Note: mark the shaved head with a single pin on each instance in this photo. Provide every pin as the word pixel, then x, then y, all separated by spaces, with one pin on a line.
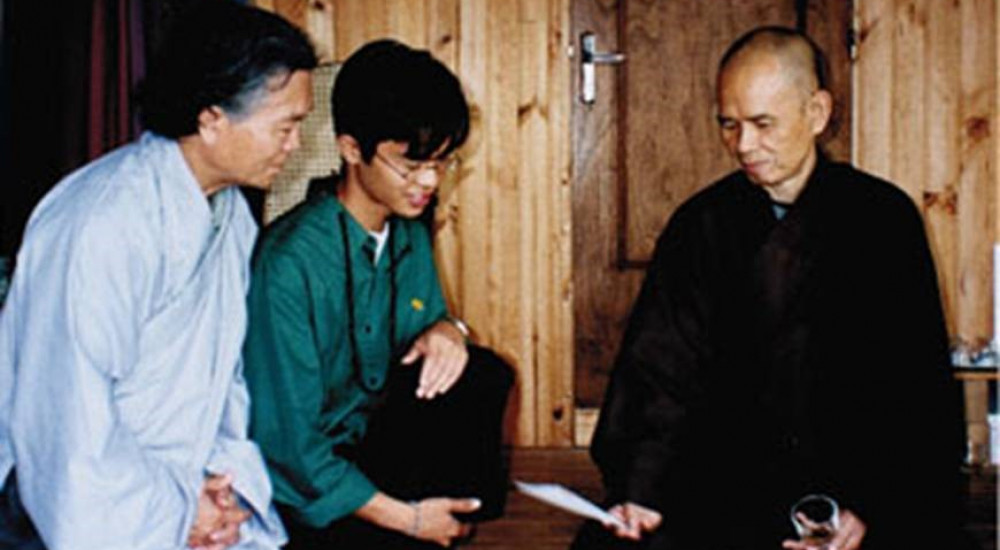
pixel 772 106
pixel 802 62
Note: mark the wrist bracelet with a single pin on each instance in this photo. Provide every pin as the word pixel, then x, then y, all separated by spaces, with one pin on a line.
pixel 460 325
pixel 415 526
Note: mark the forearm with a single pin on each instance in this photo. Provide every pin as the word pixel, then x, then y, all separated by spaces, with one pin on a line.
pixel 389 513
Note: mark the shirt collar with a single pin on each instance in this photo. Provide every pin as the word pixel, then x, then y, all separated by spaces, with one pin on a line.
pixel 815 179
pixel 363 243
pixel 179 176
pixel 191 218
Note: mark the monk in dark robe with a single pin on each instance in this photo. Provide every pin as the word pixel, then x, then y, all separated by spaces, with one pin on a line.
pixel 788 340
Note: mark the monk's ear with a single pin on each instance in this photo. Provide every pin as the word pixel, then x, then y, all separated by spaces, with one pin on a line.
pixel 349 149
pixel 819 109
pixel 211 121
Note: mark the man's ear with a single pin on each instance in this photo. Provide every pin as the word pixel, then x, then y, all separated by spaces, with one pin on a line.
pixel 349 149
pixel 820 109
pixel 211 121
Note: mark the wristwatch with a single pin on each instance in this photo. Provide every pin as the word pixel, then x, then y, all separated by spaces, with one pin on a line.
pixel 460 325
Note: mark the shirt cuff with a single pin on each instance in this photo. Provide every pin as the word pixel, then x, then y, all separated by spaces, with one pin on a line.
pixel 353 492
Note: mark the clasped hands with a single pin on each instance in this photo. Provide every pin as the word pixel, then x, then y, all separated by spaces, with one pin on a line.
pixel 217 522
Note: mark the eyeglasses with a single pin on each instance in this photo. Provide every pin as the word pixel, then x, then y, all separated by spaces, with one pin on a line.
pixel 437 167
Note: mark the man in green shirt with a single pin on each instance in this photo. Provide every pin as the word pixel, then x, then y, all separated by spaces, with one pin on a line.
pixel 379 425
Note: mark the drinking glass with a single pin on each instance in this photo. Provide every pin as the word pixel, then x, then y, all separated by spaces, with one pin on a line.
pixel 816 519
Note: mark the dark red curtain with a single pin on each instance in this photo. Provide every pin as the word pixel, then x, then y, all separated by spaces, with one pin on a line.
pixel 69 70
pixel 44 72
pixel 117 63
pixel 68 76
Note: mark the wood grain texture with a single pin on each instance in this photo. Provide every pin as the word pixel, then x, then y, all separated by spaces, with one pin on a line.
pixel 552 254
pixel 602 292
pixel 978 178
pixel 874 86
pixel 442 30
pixel 357 22
pixel 508 225
pixel 830 24
pixel 909 151
pixel 407 21
pixel 319 20
pixel 943 125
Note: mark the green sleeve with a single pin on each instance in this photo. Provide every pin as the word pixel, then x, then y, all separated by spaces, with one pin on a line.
pixel 436 307
pixel 283 373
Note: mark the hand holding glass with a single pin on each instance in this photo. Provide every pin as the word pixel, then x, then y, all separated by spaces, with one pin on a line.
pixel 816 519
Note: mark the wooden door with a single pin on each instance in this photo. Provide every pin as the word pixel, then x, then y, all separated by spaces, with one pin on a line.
pixel 650 141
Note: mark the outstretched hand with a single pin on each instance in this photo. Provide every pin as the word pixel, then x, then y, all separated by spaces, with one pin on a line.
pixel 443 348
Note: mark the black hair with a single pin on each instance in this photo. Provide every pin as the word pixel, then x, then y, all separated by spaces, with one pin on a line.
pixel 778 37
pixel 387 91
pixel 219 53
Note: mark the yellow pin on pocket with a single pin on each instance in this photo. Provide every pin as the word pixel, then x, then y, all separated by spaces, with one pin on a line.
pixel 417 304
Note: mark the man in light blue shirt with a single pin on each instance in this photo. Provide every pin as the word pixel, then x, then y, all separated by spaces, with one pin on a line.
pixel 123 411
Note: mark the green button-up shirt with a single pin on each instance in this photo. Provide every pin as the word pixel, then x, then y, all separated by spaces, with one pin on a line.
pixel 306 396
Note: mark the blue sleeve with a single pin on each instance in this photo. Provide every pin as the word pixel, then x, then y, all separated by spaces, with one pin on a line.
pixel 82 476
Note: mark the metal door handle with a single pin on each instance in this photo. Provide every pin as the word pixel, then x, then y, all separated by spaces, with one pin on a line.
pixel 589 57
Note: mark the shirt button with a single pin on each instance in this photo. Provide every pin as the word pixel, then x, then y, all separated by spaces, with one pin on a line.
pixel 372 381
pixel 368 329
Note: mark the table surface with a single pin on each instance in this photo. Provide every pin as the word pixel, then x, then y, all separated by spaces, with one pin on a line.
pixel 977 373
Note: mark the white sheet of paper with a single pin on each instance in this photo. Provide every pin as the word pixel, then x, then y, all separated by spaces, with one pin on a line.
pixel 561 497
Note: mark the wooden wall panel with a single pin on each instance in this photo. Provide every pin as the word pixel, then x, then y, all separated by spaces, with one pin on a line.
pixel 824 21
pixel 602 293
pixel 943 95
pixel 316 17
pixel 502 228
pixel 547 108
pixel 926 119
pixel 442 30
pixel 977 179
pixel 872 143
pixel 909 123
